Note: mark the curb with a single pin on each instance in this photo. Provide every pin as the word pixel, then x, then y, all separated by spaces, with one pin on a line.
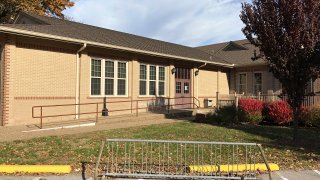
pixel 59 169
pixel 233 167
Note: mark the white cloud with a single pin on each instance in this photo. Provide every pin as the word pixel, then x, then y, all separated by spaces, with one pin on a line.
pixel 186 22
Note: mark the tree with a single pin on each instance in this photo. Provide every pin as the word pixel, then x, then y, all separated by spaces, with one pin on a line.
pixel 287 32
pixel 10 8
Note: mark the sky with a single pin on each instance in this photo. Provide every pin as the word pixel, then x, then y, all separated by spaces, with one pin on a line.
pixel 186 22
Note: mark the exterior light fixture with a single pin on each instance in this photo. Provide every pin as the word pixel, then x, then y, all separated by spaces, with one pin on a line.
pixel 173 70
pixel 196 73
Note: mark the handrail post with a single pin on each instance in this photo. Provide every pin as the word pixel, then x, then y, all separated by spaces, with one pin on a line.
pixel 97 111
pixel 137 110
pixel 41 117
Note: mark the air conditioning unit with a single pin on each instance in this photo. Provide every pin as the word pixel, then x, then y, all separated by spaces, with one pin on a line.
pixel 208 103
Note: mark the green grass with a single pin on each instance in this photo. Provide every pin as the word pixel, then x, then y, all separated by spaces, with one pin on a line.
pixel 72 149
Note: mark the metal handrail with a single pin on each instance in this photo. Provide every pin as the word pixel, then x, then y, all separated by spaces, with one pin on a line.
pixel 137 108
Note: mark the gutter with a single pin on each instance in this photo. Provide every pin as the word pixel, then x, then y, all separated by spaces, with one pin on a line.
pixel 91 43
pixel 78 79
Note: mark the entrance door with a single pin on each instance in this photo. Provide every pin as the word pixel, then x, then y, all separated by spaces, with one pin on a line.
pixel 183 86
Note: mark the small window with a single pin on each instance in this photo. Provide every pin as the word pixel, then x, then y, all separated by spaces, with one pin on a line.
pixel 109 75
pixel 186 88
pixel 257 82
pixel 95 77
pixel 122 74
pixel 152 80
pixel 242 83
pixel 178 87
pixel 161 81
pixel 143 80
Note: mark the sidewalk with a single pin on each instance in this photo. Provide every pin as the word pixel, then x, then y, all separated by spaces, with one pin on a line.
pixel 24 132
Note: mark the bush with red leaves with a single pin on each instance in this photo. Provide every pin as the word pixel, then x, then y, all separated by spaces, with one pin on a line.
pixel 250 110
pixel 279 112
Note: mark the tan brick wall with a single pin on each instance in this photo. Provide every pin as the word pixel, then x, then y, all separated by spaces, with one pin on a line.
pixel 269 82
pixel 41 72
pixel 209 83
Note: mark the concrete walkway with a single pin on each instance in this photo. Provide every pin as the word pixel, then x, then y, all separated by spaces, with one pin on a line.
pixel 24 132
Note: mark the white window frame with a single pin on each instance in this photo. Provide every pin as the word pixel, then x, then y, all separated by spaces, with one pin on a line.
pixel 157 80
pixel 246 84
pixel 115 78
pixel 254 83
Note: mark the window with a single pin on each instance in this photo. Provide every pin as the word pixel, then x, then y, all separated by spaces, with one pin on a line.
pixel 143 80
pixel 182 73
pixel 95 77
pixel 152 80
pixel 122 74
pixel 257 82
pixel 161 81
pixel 108 77
pixel 186 88
pixel 178 87
pixel 242 83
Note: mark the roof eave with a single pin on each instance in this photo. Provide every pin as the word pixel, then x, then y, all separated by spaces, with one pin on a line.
pixel 92 43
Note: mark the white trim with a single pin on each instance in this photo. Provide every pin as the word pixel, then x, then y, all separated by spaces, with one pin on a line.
pixel 92 43
pixel 157 80
pixel 115 77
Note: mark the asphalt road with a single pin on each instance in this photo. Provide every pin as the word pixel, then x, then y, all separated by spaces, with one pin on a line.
pixel 278 175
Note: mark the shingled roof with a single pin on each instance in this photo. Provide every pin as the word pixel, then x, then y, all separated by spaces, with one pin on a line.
pixel 238 52
pixel 83 32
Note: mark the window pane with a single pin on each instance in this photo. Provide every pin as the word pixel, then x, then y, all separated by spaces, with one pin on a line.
pixel 178 87
pixel 152 88
pixel 95 86
pixel 161 74
pixel 243 78
pixel 96 68
pixel 109 69
pixel 161 88
pixel 152 74
pixel 143 72
pixel 257 83
pixel 109 85
pixel 122 70
pixel 121 87
pixel 143 88
pixel 186 88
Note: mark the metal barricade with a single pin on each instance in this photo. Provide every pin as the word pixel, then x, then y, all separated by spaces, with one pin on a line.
pixel 126 158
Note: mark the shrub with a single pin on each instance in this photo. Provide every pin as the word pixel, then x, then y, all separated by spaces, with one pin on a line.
pixel 278 112
pixel 224 115
pixel 250 110
pixel 311 116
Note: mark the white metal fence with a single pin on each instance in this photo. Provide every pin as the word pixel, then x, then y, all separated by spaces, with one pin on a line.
pixel 230 99
pixel 125 158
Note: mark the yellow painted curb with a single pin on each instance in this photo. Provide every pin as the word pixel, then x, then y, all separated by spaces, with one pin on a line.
pixel 61 169
pixel 234 167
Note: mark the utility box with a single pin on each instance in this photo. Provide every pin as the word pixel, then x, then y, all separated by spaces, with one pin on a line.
pixel 208 103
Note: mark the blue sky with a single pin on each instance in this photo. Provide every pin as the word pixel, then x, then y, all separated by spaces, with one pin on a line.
pixel 187 22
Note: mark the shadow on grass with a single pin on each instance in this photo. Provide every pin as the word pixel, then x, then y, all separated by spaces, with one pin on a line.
pixel 281 137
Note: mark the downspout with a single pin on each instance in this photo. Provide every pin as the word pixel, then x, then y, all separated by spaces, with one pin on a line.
pixel 203 65
pixel 78 80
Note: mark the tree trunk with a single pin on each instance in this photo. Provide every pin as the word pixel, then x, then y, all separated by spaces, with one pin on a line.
pixel 296 117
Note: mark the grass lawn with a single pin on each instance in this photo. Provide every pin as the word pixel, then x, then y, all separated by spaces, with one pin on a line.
pixel 72 149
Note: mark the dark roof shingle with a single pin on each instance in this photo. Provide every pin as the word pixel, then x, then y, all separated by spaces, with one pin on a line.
pixel 64 28
pixel 240 57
